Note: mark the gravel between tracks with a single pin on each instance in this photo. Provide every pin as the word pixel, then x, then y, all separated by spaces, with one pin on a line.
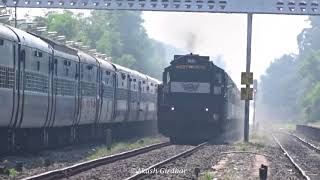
pixel 235 166
pixel 308 139
pixel 183 168
pixel 55 159
pixel 304 157
pixel 36 163
pixel 280 166
pixel 128 167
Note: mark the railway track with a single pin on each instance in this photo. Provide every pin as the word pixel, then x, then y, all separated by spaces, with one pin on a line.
pixel 303 141
pixel 80 167
pixel 303 155
pixel 154 167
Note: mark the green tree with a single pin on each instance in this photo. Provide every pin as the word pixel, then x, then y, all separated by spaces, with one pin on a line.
pixel 64 24
pixel 119 34
pixel 280 90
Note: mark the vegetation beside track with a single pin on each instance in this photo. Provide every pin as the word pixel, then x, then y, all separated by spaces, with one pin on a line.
pixel 122 146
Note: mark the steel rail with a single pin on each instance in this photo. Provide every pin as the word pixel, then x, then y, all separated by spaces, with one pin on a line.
pixel 303 141
pixel 301 171
pixel 84 166
pixel 144 173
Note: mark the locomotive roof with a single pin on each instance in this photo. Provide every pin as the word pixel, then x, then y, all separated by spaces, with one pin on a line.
pixel 189 59
pixel 7 33
pixel 31 41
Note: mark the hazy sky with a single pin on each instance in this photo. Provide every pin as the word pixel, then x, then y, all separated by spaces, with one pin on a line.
pixel 225 35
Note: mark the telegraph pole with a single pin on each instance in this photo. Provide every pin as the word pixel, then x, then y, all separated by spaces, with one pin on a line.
pixel 247 101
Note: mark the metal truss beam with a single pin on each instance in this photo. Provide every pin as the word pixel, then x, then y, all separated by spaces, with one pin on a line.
pixel 297 7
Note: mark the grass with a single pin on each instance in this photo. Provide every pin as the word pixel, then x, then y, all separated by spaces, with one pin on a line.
pixel 259 140
pixel 12 172
pixel 242 146
pixel 255 142
pixel 206 176
pixel 120 147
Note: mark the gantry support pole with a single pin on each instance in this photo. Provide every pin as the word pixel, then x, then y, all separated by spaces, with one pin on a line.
pixel 247 102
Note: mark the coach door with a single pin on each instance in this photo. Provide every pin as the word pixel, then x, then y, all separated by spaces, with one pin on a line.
pixel 114 99
pixel 140 111
pixel 7 93
pixel 129 80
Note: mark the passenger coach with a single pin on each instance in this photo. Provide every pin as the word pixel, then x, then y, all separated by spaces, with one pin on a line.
pixel 51 94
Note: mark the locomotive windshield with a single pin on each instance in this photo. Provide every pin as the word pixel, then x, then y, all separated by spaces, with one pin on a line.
pixel 182 81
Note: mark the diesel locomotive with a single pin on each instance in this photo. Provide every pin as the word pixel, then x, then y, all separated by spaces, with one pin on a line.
pixel 198 102
pixel 52 94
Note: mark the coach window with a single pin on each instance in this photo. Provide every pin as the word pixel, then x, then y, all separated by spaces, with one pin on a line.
pixel 107 77
pixel 89 73
pixel 134 83
pixel 38 65
pixel 76 72
pixel 97 74
pixel 66 64
pixel 37 54
pixel 123 77
pixel 37 62
pixel 81 71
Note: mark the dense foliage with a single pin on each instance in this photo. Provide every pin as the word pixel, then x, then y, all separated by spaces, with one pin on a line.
pixel 290 89
pixel 119 34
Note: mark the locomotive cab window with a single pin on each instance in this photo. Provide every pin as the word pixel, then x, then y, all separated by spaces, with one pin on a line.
pixel 1 42
pixel 166 77
pixel 219 78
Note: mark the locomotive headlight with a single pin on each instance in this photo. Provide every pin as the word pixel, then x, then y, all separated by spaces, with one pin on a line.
pixel 172 108
pixel 207 109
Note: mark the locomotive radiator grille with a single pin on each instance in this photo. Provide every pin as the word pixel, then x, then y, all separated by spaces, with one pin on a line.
pixel 6 77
